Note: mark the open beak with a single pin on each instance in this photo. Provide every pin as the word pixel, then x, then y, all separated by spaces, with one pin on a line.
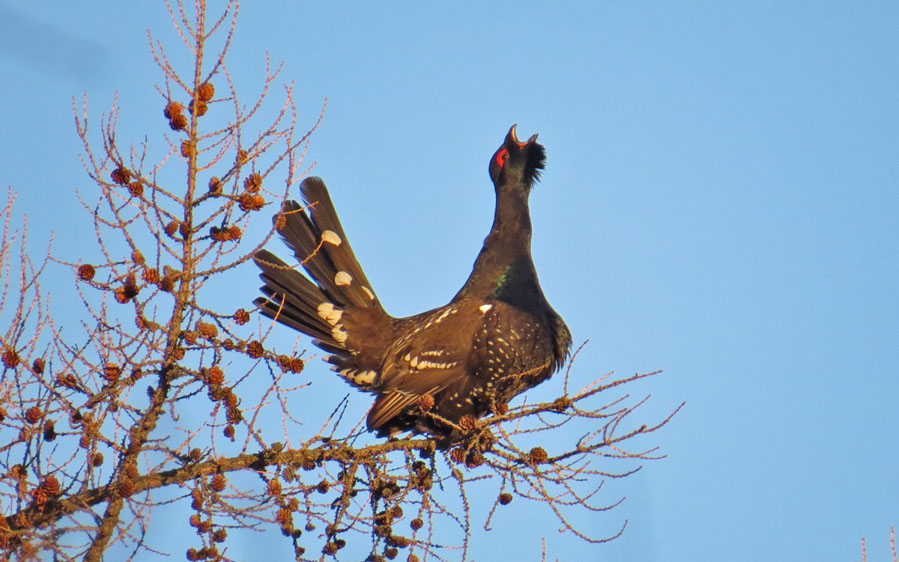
pixel 512 135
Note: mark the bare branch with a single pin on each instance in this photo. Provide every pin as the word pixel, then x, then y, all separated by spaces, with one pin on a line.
pixel 163 393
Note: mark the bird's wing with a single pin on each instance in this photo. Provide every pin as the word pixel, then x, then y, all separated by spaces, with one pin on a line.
pixel 434 354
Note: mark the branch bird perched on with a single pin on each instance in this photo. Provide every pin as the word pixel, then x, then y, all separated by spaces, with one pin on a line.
pixel 495 339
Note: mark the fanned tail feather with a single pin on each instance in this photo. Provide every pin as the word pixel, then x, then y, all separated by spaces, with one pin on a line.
pixel 335 296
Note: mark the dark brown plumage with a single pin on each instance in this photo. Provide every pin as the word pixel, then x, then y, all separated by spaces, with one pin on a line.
pixel 495 339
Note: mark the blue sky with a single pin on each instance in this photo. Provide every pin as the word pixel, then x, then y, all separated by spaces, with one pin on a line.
pixel 721 201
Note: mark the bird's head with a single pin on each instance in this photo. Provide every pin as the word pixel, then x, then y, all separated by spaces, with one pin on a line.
pixel 517 163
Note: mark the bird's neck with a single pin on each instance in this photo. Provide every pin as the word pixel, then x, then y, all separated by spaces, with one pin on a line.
pixel 508 244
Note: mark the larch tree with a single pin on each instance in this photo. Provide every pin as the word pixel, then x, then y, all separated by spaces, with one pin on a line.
pixel 172 394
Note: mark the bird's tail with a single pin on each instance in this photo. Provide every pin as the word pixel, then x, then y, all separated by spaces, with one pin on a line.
pixel 335 298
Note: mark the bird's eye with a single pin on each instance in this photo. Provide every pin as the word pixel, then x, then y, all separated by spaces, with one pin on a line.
pixel 501 157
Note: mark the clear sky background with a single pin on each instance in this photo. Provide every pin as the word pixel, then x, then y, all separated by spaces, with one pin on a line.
pixel 721 201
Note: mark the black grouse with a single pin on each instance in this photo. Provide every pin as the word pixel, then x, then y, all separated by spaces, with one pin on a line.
pixel 495 339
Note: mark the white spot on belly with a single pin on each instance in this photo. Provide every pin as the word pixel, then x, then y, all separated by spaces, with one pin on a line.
pixel 484 308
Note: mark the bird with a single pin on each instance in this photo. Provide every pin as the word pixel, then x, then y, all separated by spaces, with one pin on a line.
pixel 436 372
